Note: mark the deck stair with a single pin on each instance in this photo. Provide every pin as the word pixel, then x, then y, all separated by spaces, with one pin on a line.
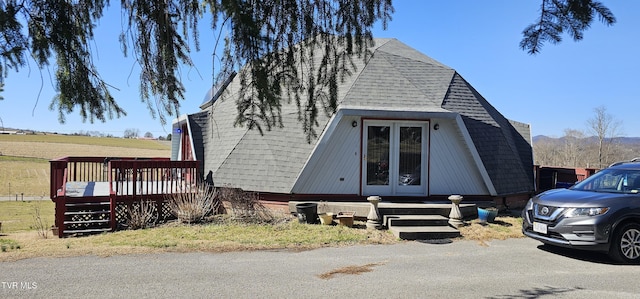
pixel 86 217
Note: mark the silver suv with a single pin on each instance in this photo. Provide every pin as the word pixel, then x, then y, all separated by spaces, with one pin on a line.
pixel 601 213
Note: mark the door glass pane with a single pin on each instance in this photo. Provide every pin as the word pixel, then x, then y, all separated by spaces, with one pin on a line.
pixel 410 156
pixel 378 155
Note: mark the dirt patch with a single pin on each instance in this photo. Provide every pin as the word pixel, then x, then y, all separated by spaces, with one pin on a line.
pixel 350 270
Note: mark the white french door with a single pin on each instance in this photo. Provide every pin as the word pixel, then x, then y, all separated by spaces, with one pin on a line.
pixel 394 157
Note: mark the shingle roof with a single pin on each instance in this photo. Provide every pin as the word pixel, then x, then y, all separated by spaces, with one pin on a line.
pixel 506 155
pixel 400 77
pixel 396 77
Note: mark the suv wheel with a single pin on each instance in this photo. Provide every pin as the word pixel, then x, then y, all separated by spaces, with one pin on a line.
pixel 626 244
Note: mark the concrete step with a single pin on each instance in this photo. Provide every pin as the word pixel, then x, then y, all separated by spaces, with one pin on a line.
pixel 424 232
pixel 415 220
pixel 442 209
pixel 413 208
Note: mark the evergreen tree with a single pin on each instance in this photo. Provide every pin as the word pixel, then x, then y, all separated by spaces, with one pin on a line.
pixel 263 38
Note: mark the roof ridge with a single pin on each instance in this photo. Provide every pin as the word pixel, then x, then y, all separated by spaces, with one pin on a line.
pixel 366 63
pixel 437 64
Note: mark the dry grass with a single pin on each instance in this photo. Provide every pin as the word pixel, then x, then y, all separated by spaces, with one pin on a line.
pixel 350 270
pixel 222 235
pixel 504 227
pixel 28 176
pixel 24 159
pixel 49 150
pixel 217 237
pixel 96 141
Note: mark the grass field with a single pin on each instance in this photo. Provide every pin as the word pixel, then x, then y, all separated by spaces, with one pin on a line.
pixel 24 159
pixel 99 141
pixel 17 216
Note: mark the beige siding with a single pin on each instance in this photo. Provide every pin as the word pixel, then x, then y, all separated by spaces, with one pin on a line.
pixel 452 167
pixel 334 166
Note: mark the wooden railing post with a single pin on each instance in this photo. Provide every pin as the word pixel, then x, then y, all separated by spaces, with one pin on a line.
pixel 57 189
pixel 134 177
pixel 112 200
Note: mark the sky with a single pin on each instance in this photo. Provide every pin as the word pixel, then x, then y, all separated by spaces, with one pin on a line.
pixel 555 90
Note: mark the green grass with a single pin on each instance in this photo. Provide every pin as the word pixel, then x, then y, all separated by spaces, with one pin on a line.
pixel 23 159
pixel 19 216
pixel 7 244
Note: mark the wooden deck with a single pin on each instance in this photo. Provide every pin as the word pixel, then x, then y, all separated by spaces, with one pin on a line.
pixel 94 194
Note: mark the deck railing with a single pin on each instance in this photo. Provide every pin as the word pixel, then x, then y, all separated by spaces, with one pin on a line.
pixel 80 169
pixel 129 179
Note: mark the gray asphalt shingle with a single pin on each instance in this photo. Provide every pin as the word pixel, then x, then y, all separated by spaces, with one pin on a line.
pixel 396 77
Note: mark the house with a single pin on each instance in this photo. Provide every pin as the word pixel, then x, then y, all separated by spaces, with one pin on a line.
pixel 407 128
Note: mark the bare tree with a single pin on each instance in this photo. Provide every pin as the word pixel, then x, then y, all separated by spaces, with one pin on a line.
pixel 545 152
pixel 573 148
pixel 131 133
pixel 606 129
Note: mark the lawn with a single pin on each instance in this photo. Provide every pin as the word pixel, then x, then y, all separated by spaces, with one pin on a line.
pixel 20 241
pixel 221 236
pixel 19 216
pixel 24 159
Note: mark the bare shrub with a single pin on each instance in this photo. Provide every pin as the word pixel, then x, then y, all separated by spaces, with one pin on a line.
pixel 39 225
pixel 246 206
pixel 141 215
pixel 196 203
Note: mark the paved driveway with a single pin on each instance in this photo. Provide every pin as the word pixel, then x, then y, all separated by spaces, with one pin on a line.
pixel 516 268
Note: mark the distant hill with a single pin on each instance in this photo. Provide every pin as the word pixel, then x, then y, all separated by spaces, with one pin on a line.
pixel 552 151
pixel 631 141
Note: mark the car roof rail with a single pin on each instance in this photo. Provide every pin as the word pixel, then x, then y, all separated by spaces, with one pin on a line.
pixel 636 159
